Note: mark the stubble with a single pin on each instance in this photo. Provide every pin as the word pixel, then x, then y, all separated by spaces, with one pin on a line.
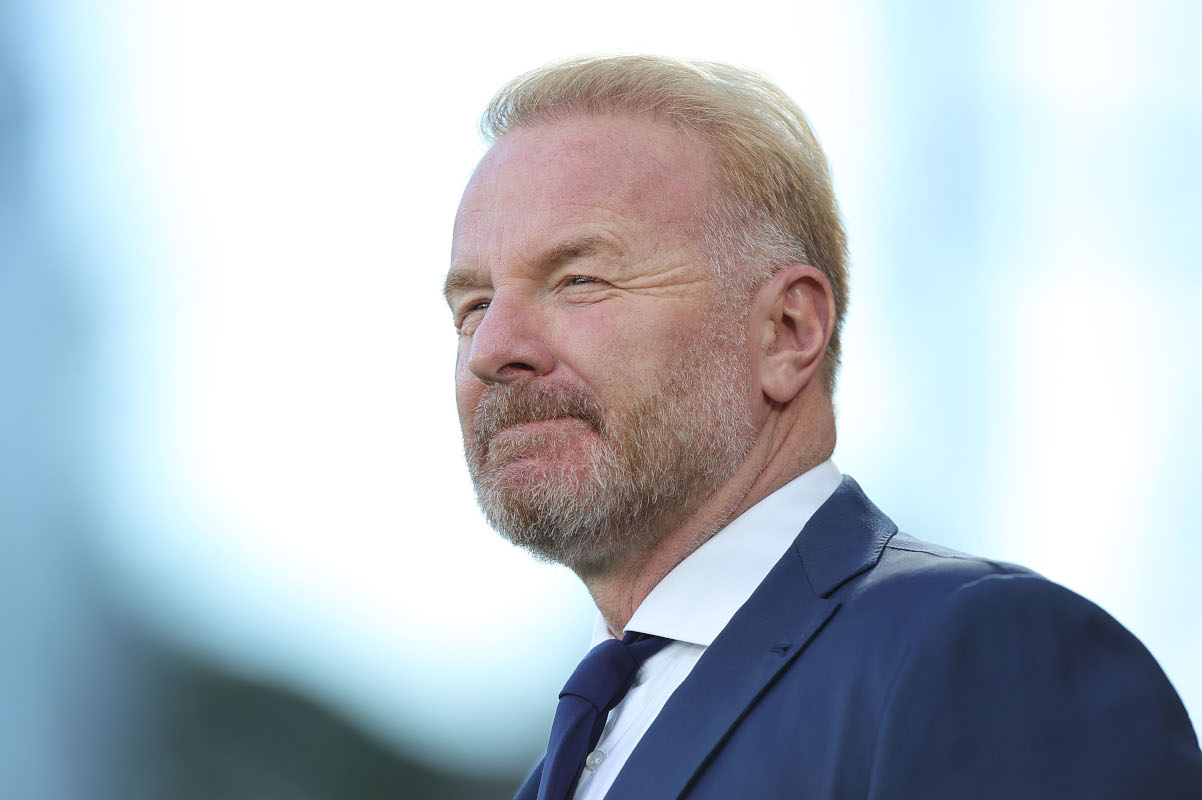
pixel 606 484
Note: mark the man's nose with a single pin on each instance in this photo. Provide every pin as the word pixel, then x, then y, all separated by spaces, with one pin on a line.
pixel 509 343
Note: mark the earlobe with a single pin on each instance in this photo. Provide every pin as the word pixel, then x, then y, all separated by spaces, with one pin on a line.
pixel 797 312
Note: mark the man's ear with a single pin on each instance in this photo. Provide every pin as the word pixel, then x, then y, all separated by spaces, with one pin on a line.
pixel 794 316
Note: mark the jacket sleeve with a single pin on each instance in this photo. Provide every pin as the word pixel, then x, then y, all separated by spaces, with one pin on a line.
pixel 1016 687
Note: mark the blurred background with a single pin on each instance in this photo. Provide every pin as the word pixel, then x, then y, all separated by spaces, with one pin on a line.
pixel 240 554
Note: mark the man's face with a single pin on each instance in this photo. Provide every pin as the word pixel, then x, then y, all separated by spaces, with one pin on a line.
pixel 601 383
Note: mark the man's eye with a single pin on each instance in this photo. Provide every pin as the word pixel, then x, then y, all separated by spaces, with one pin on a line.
pixel 579 280
pixel 470 311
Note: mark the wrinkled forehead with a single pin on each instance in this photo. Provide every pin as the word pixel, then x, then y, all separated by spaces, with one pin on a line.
pixel 590 169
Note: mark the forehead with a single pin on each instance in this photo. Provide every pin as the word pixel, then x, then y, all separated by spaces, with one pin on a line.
pixel 618 174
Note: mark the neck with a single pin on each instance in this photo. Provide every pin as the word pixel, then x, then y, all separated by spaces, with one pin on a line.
pixel 787 446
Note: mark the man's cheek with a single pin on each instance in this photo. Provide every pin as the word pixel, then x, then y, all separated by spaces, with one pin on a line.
pixel 467 397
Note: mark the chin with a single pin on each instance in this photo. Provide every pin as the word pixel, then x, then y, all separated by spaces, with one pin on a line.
pixel 571 517
pixel 560 513
pixel 536 488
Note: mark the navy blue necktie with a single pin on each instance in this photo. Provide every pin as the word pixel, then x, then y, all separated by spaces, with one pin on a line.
pixel 597 685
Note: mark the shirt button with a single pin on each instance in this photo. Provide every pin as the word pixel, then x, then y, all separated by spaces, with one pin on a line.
pixel 593 760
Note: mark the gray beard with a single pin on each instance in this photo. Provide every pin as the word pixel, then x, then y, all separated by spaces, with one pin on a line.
pixel 649 466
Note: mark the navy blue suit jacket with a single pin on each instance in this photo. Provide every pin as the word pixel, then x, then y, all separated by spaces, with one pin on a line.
pixel 870 664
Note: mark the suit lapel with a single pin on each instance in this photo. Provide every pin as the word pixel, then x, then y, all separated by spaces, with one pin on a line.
pixel 844 538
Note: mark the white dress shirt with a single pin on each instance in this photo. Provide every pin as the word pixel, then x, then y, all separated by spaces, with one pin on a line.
pixel 693 604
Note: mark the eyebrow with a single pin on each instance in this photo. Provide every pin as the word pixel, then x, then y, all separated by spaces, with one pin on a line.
pixel 465 279
pixel 461 280
pixel 572 249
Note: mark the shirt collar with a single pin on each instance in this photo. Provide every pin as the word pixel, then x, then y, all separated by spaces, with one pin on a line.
pixel 696 600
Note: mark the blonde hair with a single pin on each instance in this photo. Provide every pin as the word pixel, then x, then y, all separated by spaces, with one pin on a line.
pixel 775 205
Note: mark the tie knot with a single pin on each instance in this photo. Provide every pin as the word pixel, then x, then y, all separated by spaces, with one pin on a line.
pixel 605 674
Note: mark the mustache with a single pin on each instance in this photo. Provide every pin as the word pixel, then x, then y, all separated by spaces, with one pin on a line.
pixel 505 405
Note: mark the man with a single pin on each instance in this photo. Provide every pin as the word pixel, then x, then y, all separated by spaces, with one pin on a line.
pixel 648 280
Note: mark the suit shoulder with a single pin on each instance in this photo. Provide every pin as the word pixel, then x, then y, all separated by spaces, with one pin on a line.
pixel 982 678
pixel 920 593
pixel 913 570
pixel 1035 689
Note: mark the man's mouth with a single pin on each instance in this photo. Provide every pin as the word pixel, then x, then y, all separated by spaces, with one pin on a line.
pixel 517 416
pixel 547 424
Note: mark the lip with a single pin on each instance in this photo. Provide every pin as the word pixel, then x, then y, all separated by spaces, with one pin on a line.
pixel 539 424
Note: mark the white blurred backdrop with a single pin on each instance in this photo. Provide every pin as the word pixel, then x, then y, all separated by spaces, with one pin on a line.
pixel 250 205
